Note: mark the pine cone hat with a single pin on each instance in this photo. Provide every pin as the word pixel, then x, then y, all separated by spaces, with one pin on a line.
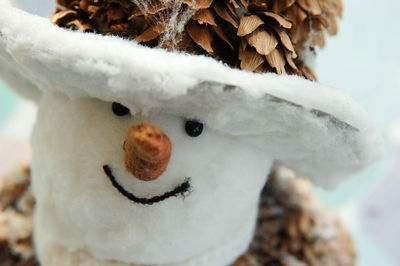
pixel 253 35
pixel 311 128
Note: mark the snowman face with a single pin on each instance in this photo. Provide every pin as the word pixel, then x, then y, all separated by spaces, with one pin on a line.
pixel 88 199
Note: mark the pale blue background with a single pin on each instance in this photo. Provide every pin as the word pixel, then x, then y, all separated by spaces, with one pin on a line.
pixel 364 61
pixel 8 101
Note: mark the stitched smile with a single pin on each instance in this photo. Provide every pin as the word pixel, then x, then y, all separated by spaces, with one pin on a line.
pixel 181 190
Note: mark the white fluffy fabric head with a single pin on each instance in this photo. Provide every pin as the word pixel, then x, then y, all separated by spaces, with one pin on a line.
pixel 78 207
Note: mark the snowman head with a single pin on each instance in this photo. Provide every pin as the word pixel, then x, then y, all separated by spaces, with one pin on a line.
pixel 126 185
pixel 152 157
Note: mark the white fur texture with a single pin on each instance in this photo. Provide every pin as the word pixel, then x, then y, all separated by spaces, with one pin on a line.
pixel 112 69
pixel 79 209
pixel 216 256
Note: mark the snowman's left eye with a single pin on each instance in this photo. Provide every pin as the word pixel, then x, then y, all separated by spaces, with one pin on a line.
pixel 193 128
pixel 119 110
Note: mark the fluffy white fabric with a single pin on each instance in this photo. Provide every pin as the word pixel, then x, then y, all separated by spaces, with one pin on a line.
pixel 217 256
pixel 80 210
pixel 256 107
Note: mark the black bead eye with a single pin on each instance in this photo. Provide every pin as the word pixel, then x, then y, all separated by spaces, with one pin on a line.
pixel 119 109
pixel 193 128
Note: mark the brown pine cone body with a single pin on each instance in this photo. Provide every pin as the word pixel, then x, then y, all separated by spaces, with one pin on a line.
pixel 294 228
pixel 253 35
pixel 16 206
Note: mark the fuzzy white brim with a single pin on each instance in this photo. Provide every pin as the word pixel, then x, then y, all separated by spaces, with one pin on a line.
pixel 316 130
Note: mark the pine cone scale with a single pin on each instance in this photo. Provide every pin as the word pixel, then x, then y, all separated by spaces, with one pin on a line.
pixel 201 35
pixel 205 16
pixel 225 14
pixel 263 41
pixel 285 40
pixel 151 33
pixel 248 24
pixel 282 22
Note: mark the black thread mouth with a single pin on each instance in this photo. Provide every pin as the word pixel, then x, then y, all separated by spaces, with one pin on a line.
pixel 180 190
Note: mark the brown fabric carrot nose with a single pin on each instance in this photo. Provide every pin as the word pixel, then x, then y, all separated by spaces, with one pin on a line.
pixel 147 151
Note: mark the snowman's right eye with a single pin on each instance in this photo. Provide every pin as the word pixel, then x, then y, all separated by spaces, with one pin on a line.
pixel 119 110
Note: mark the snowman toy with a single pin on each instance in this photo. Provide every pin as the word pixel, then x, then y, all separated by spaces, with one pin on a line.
pixel 143 156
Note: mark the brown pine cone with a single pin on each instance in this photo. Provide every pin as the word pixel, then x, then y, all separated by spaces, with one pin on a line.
pixel 294 228
pixel 253 35
pixel 16 206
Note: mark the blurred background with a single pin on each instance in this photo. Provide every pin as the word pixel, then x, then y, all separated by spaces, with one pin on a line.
pixel 363 59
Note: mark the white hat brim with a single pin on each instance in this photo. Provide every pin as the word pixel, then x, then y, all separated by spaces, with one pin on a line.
pixel 318 131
